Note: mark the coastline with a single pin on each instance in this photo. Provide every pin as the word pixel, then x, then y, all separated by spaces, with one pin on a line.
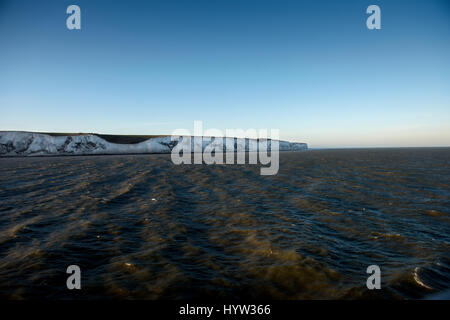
pixel 32 144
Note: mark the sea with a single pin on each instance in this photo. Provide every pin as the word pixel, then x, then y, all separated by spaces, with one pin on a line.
pixel 141 227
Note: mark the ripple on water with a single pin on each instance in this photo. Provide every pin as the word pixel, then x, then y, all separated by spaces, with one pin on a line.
pixel 141 227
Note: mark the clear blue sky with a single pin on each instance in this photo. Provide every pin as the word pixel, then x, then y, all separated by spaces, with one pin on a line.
pixel 310 68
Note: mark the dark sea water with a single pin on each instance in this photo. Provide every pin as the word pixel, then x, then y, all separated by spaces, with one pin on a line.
pixel 140 227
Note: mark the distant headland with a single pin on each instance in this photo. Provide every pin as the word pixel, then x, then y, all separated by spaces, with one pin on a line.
pixel 22 143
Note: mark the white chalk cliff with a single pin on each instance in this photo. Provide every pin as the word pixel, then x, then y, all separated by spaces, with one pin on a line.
pixel 19 143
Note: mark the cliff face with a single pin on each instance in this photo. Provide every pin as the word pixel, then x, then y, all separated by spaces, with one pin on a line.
pixel 17 143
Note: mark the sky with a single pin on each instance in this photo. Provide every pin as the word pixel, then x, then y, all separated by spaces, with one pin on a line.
pixel 309 68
